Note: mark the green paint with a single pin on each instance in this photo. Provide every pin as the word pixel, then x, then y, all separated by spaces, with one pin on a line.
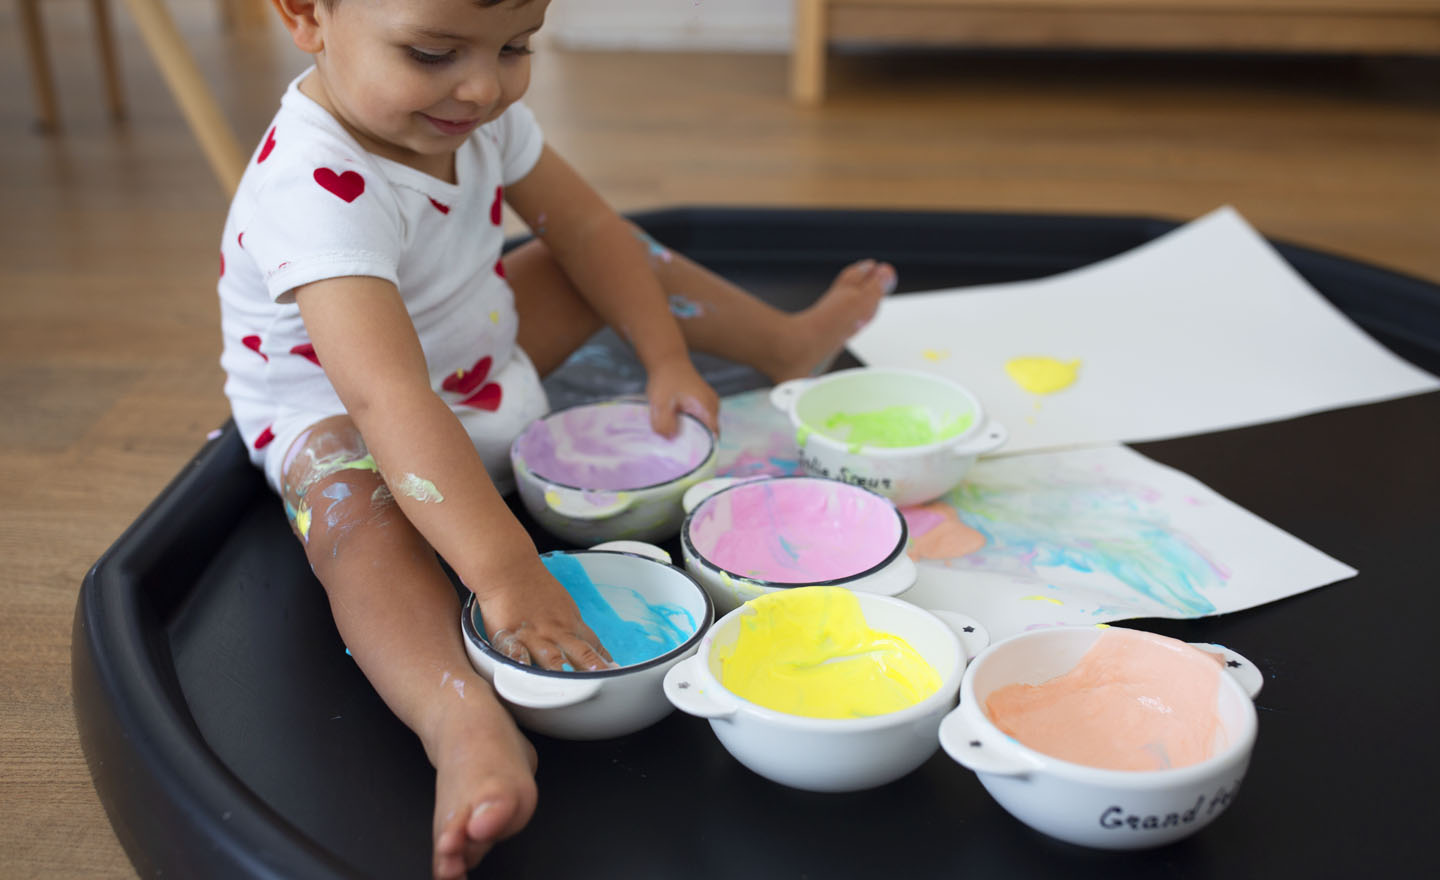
pixel 897 426
pixel 801 435
pixel 420 489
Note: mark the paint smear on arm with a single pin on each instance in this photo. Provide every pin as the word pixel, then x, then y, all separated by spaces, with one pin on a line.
pixel 419 488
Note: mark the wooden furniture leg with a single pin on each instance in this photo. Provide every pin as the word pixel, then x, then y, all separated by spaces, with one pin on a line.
pixel 182 75
pixel 807 52
pixel 109 61
pixel 47 109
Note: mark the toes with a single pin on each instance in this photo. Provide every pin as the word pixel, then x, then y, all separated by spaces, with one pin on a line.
pixel 856 273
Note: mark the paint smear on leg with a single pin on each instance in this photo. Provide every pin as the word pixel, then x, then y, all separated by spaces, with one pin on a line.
pixel 657 250
pixel 684 308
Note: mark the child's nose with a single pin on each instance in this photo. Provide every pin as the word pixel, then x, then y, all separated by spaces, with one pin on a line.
pixel 481 86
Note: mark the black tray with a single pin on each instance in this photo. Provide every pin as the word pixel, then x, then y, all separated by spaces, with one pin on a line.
pixel 230 736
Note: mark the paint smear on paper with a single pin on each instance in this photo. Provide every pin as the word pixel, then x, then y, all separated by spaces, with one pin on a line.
pixel 936 532
pixel 1042 375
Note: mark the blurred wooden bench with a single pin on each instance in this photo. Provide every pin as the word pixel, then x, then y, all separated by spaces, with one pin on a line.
pixel 1360 26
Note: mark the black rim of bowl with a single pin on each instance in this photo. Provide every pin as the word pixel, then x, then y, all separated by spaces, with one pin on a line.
pixel 471 610
pixel 709 455
pixel 694 552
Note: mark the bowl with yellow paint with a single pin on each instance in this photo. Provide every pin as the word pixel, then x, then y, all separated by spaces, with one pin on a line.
pixel 1109 738
pixel 745 537
pixel 906 434
pixel 826 689
pixel 599 472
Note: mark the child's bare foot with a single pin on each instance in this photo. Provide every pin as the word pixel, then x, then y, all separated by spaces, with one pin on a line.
pixel 484 779
pixel 817 334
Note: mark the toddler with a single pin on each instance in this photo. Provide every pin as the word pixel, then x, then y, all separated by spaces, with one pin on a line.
pixel 380 356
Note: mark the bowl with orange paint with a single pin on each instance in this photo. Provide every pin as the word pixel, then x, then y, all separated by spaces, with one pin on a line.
pixel 906 434
pixel 826 689
pixel 1109 738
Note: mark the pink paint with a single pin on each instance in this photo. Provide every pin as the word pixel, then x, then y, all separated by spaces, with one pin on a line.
pixel 610 446
pixel 795 530
pixel 1135 701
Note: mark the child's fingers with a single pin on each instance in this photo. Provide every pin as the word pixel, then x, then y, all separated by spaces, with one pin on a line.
pixel 508 642
pixel 583 655
pixel 664 417
pixel 700 410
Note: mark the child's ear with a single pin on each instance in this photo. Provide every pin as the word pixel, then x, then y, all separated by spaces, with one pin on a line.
pixel 300 20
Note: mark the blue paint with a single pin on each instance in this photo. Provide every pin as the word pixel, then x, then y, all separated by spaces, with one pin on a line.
pixel 660 629
pixel 336 492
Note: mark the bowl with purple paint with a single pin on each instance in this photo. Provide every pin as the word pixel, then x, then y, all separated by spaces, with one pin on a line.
pixel 599 472
pixel 743 538
pixel 648 614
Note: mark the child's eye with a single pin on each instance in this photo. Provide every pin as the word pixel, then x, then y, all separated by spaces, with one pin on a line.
pixel 430 57
pixel 517 50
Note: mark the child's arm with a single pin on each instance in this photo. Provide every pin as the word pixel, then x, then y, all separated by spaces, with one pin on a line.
pixel 598 251
pixel 372 356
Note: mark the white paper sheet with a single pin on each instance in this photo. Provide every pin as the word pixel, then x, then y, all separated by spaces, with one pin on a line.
pixel 1077 536
pixel 1203 329
pixel 1094 535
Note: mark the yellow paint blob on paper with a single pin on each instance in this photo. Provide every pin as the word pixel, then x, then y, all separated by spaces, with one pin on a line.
pixel 1042 375
pixel 935 355
pixel 809 651
pixel 1043 599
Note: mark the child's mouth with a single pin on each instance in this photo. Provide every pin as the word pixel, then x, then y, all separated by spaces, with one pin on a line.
pixel 445 126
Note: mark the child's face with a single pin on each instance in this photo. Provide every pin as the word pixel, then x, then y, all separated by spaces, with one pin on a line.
pixel 411 79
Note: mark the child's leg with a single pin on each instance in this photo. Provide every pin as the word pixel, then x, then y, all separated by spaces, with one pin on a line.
pixel 399 616
pixel 716 316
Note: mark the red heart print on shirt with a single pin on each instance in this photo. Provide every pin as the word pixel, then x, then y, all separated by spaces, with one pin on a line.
pixel 347 186
pixel 465 381
pixel 266 437
pixel 307 351
pixel 252 342
pixel 495 206
pixel 440 206
pixel 500 268
pixel 268 146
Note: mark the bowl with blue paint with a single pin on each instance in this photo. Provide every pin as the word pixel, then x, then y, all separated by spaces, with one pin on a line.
pixel 647 613
pixel 599 472
pixel 905 434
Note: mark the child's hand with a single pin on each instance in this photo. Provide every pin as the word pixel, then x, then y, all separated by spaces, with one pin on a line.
pixel 676 387
pixel 533 620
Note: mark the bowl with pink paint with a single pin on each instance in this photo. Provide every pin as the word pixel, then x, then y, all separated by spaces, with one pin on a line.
pixel 598 471
pixel 1107 737
pixel 851 728
pixel 905 434
pixel 743 538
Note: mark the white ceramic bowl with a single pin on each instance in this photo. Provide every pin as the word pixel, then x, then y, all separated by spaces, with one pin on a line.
pixel 1090 806
pixel 607 703
pixel 832 754
pixel 861 545
pixel 596 472
pixel 904 474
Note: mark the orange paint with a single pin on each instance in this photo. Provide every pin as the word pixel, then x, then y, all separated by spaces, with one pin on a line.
pixel 936 532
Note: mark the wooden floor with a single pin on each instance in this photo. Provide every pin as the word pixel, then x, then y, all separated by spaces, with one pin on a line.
pixel 109 238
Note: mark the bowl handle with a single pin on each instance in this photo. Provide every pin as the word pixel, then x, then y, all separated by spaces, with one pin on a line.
pixel 1239 668
pixel 990 439
pixel 974 752
pixel 782 396
pixel 898 577
pixel 974 638
pixel 639 548
pixel 578 504
pixel 705 488
pixel 542 692
pixel 683 688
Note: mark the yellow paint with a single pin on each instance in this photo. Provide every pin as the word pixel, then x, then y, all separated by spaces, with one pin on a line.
pixel 808 651
pixel 1042 375
pixel 302 522
pixel 494 317
pixel 934 355
pixel 1044 599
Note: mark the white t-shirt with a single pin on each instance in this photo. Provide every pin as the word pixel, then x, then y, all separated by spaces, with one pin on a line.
pixel 313 204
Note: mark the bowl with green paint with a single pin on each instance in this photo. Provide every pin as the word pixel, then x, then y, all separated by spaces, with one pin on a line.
pixel 905 434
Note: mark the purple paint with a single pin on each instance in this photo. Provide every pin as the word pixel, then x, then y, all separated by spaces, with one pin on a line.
pixel 611 446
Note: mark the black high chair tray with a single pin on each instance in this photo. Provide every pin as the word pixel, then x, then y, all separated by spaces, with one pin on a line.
pixel 230 736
